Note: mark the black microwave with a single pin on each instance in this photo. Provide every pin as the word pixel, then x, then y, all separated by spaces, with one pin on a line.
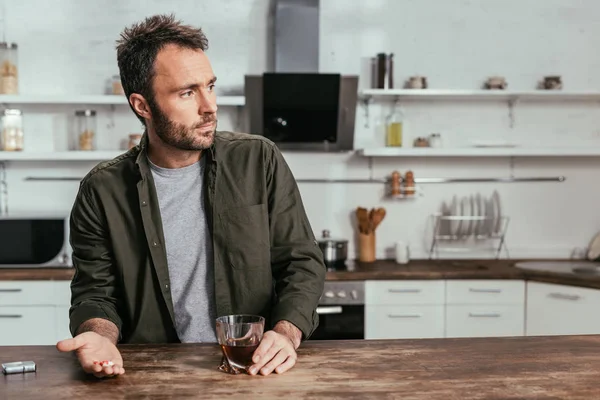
pixel 34 241
pixel 303 111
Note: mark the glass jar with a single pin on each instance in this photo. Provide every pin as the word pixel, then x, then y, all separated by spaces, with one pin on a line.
pixel 116 86
pixel 12 130
pixel 9 77
pixel 134 140
pixel 393 129
pixel 85 130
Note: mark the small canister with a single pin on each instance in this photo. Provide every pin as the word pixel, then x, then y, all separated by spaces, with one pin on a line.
pixel 12 130
pixel 134 140
pixel 116 86
pixel 85 130
pixel 9 76
pixel 402 253
pixel 18 367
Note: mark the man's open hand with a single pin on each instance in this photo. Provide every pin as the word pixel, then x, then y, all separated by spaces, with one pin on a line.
pixel 91 347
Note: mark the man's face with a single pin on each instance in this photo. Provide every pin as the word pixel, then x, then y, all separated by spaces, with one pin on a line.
pixel 184 108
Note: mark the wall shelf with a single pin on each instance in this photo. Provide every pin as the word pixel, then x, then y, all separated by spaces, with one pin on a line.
pixel 60 155
pixel 481 152
pixel 95 100
pixel 500 95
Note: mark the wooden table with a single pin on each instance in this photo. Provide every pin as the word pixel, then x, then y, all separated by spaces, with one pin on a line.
pixel 490 368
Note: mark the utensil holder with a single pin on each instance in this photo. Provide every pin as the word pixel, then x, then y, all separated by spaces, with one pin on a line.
pixel 366 247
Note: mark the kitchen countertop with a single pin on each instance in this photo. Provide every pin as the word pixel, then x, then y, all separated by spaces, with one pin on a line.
pixel 498 368
pixel 552 271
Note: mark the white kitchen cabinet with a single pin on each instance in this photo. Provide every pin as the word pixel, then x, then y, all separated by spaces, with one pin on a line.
pixel 561 310
pixel 405 292
pixel 485 308
pixel 490 320
pixel 404 322
pixel 27 325
pixel 404 309
pixel 61 316
pixel 485 291
pixel 34 312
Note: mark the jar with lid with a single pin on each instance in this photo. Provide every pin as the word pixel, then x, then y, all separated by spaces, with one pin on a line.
pixel 134 140
pixel 116 86
pixel 393 128
pixel 12 130
pixel 85 130
pixel 9 77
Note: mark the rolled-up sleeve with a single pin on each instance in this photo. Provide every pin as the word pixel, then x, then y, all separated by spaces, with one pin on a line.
pixel 296 259
pixel 93 289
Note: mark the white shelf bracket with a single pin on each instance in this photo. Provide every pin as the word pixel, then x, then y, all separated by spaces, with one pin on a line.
pixel 365 104
pixel 511 111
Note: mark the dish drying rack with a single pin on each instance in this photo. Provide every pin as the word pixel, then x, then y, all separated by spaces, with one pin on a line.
pixel 469 239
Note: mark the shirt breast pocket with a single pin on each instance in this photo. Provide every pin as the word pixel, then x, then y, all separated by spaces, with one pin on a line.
pixel 246 236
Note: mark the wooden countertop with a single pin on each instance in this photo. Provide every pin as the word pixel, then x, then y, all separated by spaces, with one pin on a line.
pixel 388 269
pixel 498 368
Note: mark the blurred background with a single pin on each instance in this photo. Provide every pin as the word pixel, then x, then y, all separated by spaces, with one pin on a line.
pixel 493 90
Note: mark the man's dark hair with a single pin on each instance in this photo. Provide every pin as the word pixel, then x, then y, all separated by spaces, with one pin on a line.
pixel 140 43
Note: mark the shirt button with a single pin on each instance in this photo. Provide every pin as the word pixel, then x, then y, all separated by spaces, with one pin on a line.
pixel 166 286
pixel 144 202
pixel 154 244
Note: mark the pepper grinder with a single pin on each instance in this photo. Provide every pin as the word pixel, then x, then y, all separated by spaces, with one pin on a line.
pixel 385 71
pixel 395 183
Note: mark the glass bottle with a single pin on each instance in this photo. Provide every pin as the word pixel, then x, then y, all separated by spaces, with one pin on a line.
pixel 9 77
pixel 85 126
pixel 394 128
pixel 12 130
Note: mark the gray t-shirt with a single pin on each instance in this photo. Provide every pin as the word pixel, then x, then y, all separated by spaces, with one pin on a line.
pixel 189 250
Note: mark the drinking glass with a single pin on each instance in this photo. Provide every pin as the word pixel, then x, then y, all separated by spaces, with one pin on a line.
pixel 239 336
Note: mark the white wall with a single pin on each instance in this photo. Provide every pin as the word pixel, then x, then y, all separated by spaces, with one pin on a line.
pixel 68 47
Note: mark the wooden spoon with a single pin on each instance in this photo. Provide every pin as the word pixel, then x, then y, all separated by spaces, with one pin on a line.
pixel 362 217
pixel 378 216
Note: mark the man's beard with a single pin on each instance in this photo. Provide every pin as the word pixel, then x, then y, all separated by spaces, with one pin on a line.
pixel 180 136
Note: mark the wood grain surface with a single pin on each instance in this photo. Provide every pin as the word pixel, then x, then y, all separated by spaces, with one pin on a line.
pixel 554 367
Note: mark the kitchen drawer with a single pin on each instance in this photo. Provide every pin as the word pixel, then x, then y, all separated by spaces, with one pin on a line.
pixel 62 290
pixel 405 292
pixel 26 325
pixel 561 310
pixel 27 293
pixel 61 318
pixel 485 292
pixel 485 320
pixel 403 322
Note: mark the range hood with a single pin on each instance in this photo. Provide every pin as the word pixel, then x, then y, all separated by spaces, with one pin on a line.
pixel 293 104
pixel 296 36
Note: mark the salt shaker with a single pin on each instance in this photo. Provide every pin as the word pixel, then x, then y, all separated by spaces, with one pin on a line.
pixel 402 253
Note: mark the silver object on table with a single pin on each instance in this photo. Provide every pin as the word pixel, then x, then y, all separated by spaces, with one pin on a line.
pixel 18 367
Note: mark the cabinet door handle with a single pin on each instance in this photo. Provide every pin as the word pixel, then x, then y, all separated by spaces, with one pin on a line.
pixel 404 315
pixel 404 290
pixel 563 296
pixel 10 290
pixel 329 310
pixel 484 315
pixel 474 290
pixel 10 316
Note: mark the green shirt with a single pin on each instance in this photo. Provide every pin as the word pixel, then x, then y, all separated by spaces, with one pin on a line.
pixel 266 259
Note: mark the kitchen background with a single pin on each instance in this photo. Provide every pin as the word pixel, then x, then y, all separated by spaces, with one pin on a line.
pixel 68 48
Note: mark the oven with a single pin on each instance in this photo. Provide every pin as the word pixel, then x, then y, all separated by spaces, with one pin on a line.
pixel 341 311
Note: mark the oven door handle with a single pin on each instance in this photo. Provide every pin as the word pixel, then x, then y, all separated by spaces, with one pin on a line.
pixel 329 310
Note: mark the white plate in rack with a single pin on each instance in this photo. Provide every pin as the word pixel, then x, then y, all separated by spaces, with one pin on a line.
pixel 455 224
pixel 466 211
